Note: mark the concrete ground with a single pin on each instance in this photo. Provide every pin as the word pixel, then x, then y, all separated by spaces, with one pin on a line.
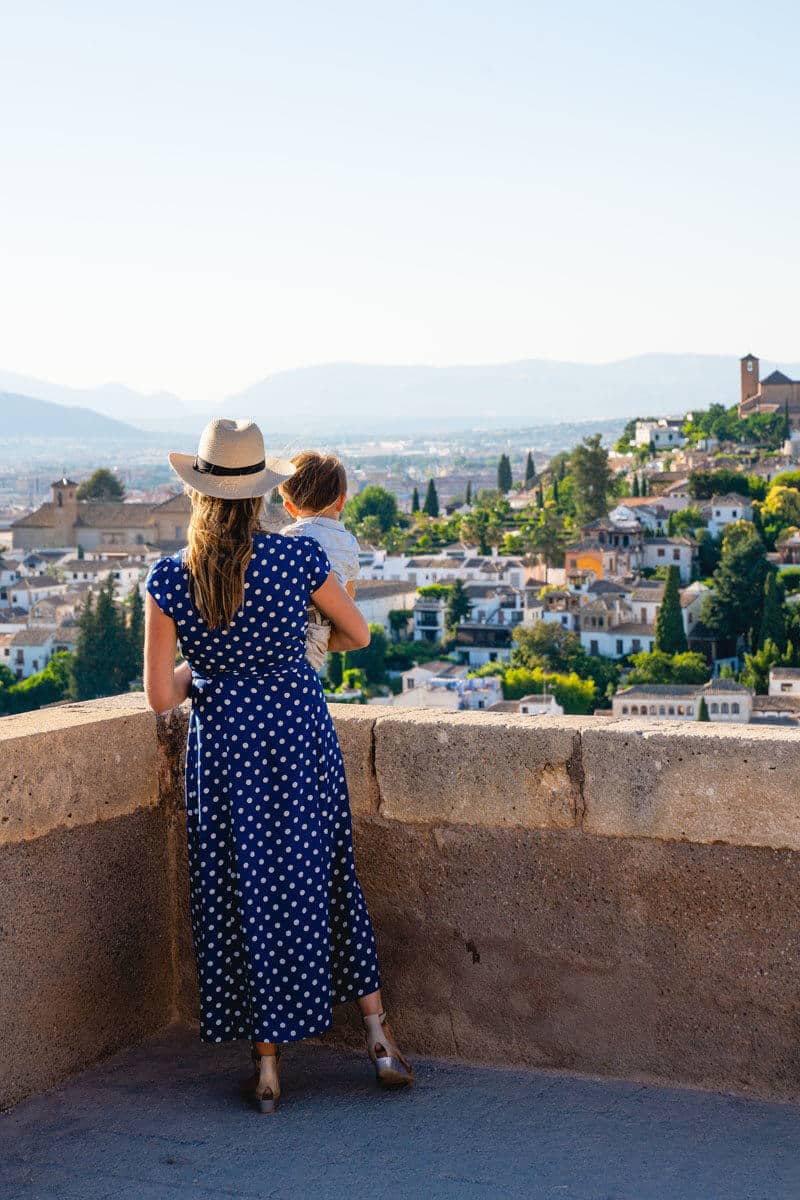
pixel 164 1122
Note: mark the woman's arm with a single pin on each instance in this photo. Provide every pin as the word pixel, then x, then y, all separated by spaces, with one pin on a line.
pixel 165 685
pixel 350 630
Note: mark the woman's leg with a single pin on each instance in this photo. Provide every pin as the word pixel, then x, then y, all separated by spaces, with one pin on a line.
pixel 391 1067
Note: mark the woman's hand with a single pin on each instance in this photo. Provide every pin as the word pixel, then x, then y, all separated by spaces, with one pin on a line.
pixel 350 630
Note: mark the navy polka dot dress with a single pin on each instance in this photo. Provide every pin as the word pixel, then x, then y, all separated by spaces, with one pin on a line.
pixel 279 923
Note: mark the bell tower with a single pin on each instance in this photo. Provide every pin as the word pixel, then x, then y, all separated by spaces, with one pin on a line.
pixel 65 511
pixel 749 377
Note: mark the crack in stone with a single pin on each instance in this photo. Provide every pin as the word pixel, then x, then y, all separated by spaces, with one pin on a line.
pixel 578 779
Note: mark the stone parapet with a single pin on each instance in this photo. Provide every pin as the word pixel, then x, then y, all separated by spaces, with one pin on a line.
pixel 595 895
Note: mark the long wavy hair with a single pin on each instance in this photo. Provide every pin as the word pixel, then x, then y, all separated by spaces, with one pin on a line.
pixel 220 542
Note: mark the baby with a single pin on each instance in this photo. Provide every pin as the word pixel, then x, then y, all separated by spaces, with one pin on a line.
pixel 314 497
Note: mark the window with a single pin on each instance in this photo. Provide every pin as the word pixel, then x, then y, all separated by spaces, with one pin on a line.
pixel 652 710
pixel 690 710
pixel 636 646
pixel 733 514
pixel 786 687
pixel 735 706
pixel 593 647
pixel 724 706
pixel 619 646
pixel 643 615
pixel 676 555
pixel 681 711
pixel 715 707
pixel 672 710
pixel 661 710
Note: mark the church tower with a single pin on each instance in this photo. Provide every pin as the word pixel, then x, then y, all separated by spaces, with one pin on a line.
pixel 65 511
pixel 749 377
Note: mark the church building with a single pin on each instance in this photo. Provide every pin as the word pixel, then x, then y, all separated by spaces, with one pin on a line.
pixel 67 521
pixel 769 395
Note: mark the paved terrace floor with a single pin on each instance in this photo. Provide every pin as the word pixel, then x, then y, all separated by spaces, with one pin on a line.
pixel 164 1122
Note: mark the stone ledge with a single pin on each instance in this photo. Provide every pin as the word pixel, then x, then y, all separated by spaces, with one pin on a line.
pixel 76 764
pixel 704 783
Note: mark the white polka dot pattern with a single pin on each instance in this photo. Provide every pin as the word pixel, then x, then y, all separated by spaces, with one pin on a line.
pixel 279 922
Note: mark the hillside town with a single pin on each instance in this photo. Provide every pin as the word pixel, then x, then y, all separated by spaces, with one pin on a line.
pixel 658 577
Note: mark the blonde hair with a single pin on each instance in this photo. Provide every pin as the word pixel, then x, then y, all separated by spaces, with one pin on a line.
pixel 318 482
pixel 220 542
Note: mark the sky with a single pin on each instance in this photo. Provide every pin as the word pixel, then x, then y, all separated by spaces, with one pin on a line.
pixel 196 195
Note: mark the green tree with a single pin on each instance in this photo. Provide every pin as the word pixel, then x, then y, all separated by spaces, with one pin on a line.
pixel 705 484
pixel 635 488
pixel 655 666
pixel 644 488
pixel 431 505
pixel 354 679
pixel 757 666
pixel 371 501
pixel 102 656
pixel 504 476
pixel 773 622
pixel 47 687
pixel 530 472
pixel 468 496
pixel 702 710
pixel 370 659
pixel 135 665
pixel 398 622
pixel 593 477
pixel 670 634
pixel 787 425
pixel 545 644
pixel 415 500
pixel 102 484
pixel 733 609
pixel 459 605
pixel 685 522
pixel 335 670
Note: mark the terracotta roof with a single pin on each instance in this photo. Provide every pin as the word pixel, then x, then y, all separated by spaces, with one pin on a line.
pixel 632 627
pixel 33 635
pixel 776 703
pixel 785 673
pixel 111 514
pixel 371 589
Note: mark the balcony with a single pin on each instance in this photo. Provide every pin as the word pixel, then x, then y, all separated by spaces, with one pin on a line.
pixel 598 917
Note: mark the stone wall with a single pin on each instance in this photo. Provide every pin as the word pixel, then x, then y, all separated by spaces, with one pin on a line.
pixel 586 894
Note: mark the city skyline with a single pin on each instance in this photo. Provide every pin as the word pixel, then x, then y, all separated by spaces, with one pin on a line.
pixel 196 204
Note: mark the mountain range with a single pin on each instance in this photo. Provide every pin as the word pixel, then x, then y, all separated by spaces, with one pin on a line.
pixel 349 400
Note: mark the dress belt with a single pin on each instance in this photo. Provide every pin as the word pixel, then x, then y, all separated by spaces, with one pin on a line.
pixel 199 684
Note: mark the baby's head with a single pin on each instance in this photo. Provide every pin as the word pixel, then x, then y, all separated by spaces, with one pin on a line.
pixel 319 485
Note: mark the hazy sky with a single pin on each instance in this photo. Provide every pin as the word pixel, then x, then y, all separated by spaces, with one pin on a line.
pixel 193 195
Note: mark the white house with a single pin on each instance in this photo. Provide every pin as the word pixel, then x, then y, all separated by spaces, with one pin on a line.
pixel 669 552
pixel 663 434
pixel 430 613
pixel 724 510
pixel 27 651
pixel 784 681
pixel 540 705
pixel 124 571
pixel 725 699
pixel 25 592
pixel 377 598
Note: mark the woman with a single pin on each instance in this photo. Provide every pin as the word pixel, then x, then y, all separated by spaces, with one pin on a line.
pixel 279 923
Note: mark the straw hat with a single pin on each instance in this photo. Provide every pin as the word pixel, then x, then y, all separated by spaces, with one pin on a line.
pixel 230 462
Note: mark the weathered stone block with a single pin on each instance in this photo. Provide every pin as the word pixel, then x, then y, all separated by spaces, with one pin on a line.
pixel 696 783
pixel 478 769
pixel 76 764
pixel 355 726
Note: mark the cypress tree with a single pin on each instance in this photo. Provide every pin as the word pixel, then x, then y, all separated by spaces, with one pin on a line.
pixel 555 491
pixel 415 500
pixel 635 488
pixel 540 497
pixel 643 491
pixel 787 425
pixel 468 497
pixel 530 472
pixel 431 505
pixel 504 477
pixel 773 624
pixel 702 710
pixel 335 669
pixel 670 634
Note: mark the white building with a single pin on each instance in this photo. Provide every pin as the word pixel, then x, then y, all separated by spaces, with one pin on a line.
pixel 669 552
pixel 378 598
pixel 25 592
pixel 27 651
pixel 725 699
pixel 724 510
pixel 663 434
pixel 784 681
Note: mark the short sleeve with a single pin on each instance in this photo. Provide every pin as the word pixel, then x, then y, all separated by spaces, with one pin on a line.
pixel 319 566
pixel 159 584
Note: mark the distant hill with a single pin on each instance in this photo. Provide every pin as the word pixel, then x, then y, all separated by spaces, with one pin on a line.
pixel 28 417
pixel 154 410
pixel 398 399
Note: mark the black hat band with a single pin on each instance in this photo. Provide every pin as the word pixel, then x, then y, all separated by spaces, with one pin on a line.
pixel 204 467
